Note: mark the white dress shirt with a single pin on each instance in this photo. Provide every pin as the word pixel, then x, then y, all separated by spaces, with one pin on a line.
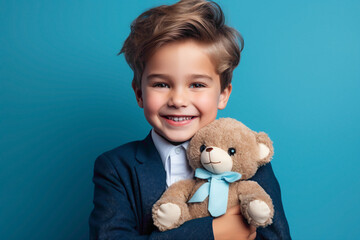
pixel 173 158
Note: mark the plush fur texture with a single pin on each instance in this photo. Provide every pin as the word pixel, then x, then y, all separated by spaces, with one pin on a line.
pixel 226 133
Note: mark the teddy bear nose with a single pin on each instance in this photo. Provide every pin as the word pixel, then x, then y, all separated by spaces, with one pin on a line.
pixel 209 149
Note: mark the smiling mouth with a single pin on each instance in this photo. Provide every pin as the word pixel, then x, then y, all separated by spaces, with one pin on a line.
pixel 179 118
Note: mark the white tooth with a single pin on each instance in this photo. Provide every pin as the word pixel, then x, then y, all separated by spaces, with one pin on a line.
pixel 179 119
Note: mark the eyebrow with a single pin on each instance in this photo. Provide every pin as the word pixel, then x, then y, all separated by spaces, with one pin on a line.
pixel 168 77
pixel 156 75
pixel 195 76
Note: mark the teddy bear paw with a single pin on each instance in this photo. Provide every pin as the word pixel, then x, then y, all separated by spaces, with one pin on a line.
pixel 168 214
pixel 259 211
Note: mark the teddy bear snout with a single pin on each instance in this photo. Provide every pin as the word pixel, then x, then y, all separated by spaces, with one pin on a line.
pixel 216 160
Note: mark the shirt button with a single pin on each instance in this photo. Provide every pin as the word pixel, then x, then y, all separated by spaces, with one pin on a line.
pixel 177 150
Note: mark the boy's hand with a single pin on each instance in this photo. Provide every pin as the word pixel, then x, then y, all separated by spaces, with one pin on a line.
pixel 232 225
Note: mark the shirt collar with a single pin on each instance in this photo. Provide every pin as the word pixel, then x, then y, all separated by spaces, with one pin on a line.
pixel 164 147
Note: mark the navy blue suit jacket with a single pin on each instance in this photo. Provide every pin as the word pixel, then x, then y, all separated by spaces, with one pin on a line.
pixel 131 178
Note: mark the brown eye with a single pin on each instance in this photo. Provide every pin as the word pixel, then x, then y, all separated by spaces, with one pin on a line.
pixel 202 147
pixel 231 151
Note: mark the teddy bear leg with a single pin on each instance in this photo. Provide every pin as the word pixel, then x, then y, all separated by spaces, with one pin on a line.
pixel 259 211
pixel 169 215
pixel 171 210
pixel 256 204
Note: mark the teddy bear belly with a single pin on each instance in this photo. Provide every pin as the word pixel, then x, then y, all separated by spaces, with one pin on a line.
pixel 199 210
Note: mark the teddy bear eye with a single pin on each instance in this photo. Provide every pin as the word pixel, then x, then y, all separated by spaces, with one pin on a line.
pixel 231 151
pixel 202 147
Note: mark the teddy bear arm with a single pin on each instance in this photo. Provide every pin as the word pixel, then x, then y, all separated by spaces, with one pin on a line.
pixel 179 191
pixel 171 210
pixel 256 204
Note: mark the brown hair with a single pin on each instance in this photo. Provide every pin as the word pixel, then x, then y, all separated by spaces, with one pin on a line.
pixel 200 20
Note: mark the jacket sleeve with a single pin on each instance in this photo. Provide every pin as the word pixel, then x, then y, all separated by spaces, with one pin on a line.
pixel 113 215
pixel 279 229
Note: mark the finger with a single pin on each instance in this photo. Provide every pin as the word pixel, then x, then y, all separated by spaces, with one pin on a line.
pixel 252 236
pixel 234 210
pixel 252 229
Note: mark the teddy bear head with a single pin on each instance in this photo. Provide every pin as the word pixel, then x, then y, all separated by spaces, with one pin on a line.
pixel 228 145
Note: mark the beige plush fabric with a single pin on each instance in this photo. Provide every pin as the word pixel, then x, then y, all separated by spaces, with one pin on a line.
pixel 252 150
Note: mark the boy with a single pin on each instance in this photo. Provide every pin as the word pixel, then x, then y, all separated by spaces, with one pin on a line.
pixel 183 57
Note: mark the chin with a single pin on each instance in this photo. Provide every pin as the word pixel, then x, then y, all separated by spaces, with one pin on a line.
pixel 178 139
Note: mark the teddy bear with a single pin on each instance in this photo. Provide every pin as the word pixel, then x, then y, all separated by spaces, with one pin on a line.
pixel 224 155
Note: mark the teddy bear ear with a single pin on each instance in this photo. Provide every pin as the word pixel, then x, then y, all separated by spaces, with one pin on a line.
pixel 266 150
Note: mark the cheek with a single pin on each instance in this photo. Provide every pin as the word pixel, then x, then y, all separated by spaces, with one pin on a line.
pixel 152 102
pixel 208 103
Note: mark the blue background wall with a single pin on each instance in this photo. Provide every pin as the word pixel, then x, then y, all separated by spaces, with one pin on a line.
pixel 65 97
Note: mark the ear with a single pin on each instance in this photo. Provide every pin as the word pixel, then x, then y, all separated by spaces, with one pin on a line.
pixel 138 94
pixel 266 149
pixel 224 97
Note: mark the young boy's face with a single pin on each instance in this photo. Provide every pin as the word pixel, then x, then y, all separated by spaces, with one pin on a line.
pixel 180 90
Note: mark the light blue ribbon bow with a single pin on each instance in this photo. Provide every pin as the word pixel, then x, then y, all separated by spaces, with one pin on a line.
pixel 218 189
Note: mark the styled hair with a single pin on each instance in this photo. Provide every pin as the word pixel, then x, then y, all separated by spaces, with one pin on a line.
pixel 199 20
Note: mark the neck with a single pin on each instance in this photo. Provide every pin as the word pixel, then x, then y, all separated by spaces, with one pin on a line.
pixel 171 142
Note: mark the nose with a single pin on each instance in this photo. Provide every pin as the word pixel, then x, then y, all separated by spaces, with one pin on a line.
pixel 178 98
pixel 209 149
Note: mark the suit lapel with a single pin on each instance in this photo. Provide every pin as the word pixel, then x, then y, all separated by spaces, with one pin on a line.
pixel 151 176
